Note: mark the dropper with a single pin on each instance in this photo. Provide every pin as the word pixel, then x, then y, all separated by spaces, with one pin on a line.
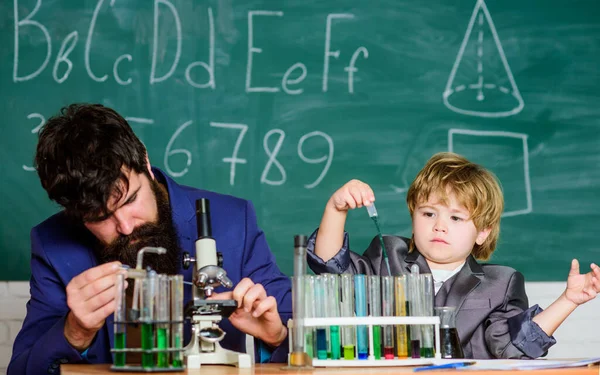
pixel 373 215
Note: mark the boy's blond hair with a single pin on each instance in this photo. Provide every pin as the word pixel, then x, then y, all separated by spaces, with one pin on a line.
pixel 475 188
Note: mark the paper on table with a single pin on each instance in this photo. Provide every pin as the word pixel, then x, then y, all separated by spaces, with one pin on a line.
pixel 529 364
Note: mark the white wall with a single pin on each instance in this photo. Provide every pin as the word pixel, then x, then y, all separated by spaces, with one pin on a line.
pixel 13 297
pixel 578 337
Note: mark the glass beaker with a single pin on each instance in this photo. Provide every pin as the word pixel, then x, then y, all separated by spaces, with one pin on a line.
pixel 449 340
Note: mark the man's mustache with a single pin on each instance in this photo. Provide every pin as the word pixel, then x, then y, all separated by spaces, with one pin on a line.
pixel 141 233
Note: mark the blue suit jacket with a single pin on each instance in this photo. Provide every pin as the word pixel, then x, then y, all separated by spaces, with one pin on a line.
pixel 62 250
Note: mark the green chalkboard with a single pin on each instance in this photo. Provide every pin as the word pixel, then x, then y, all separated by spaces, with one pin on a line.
pixel 282 102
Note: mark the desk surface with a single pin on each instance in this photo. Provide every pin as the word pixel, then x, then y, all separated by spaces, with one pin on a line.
pixel 272 369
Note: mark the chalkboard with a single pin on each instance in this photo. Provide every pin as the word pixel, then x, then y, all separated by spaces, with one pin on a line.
pixel 283 102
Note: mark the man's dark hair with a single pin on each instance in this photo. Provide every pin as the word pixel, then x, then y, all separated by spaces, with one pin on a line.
pixel 82 156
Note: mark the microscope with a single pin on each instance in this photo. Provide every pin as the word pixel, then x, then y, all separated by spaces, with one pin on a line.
pixel 205 315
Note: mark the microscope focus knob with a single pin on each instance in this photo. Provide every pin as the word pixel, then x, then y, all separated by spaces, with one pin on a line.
pixel 220 259
pixel 187 260
pixel 224 280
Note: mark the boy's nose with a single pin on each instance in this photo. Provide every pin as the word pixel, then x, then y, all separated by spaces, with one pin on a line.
pixel 439 226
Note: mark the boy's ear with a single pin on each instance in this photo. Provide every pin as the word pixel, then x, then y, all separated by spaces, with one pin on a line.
pixel 482 236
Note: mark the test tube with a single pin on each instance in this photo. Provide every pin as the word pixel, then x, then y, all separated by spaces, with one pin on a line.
pixel 333 311
pixel 321 301
pixel 176 319
pixel 375 310
pixel 147 318
pixel 297 355
pixel 373 215
pixel 162 316
pixel 426 284
pixel 310 312
pixel 415 310
pixel 120 327
pixel 401 310
pixel 360 301
pixel 348 332
pixel 388 310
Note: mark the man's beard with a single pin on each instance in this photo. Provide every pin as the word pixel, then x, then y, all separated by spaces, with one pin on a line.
pixel 159 234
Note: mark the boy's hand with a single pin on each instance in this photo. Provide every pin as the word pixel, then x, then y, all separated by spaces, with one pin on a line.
pixel 582 288
pixel 354 194
pixel 256 314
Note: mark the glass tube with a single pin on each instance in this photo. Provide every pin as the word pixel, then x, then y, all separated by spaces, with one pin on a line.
pixel 298 296
pixel 415 310
pixel 348 332
pixel 321 301
pixel 401 310
pixel 388 310
pixel 162 315
pixel 426 284
pixel 360 300
pixel 333 311
pixel 176 316
pixel 148 294
pixel 310 312
pixel 120 326
pixel 375 310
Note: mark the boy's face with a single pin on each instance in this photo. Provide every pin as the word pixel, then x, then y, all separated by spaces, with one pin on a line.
pixel 445 234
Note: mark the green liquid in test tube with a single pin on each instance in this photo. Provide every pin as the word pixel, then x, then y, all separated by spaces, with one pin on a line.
pixel 177 362
pixel 149 286
pixel 374 283
pixel 147 344
pixel 162 338
pixel 427 295
pixel 120 339
pixel 348 332
pixel 162 331
pixel 176 283
pixel 349 351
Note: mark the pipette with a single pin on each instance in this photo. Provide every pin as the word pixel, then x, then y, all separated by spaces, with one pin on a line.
pixel 373 215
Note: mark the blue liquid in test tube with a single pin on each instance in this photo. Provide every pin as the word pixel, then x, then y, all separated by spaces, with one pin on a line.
pixel 321 299
pixel 360 298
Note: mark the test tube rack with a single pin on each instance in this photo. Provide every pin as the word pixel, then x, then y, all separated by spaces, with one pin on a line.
pixel 159 318
pixel 153 353
pixel 371 321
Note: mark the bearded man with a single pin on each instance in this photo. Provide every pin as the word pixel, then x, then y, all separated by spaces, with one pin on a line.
pixel 114 203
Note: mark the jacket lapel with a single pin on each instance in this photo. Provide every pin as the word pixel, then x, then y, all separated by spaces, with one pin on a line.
pixel 415 257
pixel 466 280
pixel 183 212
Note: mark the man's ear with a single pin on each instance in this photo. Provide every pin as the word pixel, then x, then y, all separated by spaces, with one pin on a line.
pixel 482 236
pixel 149 166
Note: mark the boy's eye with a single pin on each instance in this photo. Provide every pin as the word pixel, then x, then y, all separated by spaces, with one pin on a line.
pixel 456 218
pixel 428 214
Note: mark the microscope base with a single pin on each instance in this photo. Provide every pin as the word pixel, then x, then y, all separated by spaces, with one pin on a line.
pixel 219 357
pixel 201 351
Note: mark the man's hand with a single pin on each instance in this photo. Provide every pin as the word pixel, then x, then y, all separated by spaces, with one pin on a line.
pixel 582 288
pixel 91 298
pixel 256 314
